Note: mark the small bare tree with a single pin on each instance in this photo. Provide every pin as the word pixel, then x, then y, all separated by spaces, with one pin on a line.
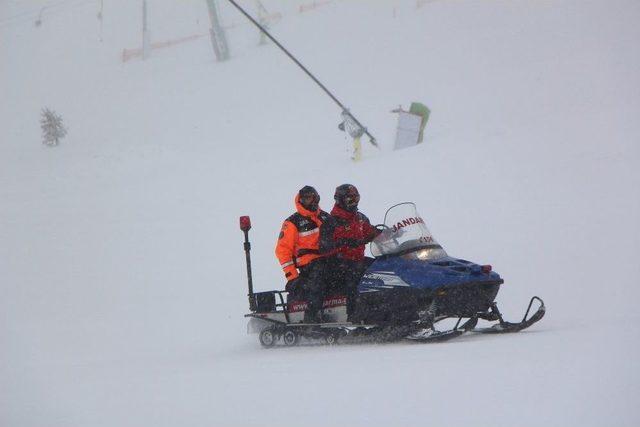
pixel 52 128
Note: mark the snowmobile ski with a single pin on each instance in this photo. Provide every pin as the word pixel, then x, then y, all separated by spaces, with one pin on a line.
pixel 441 336
pixel 506 327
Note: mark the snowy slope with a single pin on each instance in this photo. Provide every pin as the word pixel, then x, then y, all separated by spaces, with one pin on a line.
pixel 122 283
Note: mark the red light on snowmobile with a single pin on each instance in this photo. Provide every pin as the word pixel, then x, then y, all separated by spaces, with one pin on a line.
pixel 245 223
pixel 486 268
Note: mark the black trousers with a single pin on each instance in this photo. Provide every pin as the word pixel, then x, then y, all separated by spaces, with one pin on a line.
pixel 324 276
pixel 311 285
pixel 343 276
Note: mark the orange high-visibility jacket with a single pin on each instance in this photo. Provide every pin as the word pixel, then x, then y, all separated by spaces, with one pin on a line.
pixel 299 240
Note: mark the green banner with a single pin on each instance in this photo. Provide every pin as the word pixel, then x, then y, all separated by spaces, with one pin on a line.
pixel 422 111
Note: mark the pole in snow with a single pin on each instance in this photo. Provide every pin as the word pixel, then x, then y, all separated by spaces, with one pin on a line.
pixel 100 17
pixel 146 49
pixel 264 23
pixel 245 226
pixel 217 34
pixel 372 139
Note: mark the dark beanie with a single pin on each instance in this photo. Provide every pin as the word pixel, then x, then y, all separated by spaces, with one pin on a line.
pixel 306 190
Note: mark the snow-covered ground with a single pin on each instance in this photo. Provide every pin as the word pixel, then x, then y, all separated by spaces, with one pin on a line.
pixel 122 277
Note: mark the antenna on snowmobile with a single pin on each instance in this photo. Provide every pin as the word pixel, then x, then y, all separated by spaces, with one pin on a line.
pixel 245 226
pixel 345 110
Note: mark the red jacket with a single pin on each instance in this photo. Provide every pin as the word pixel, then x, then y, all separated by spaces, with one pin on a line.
pixel 352 231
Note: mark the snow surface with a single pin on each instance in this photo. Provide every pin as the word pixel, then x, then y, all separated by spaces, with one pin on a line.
pixel 122 276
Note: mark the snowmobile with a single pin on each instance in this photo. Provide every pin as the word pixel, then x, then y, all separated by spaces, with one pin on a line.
pixel 410 287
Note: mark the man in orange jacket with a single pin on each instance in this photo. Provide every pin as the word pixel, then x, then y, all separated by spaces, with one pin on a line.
pixel 301 249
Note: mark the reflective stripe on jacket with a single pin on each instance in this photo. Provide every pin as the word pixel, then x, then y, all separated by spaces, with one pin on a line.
pixel 299 239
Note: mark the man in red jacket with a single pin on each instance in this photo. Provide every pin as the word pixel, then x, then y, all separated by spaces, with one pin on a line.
pixel 351 232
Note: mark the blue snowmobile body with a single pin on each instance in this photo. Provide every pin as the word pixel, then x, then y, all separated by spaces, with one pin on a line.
pixel 412 274
pixel 424 275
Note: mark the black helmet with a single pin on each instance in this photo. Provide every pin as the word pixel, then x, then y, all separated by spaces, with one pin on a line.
pixel 347 197
pixel 309 198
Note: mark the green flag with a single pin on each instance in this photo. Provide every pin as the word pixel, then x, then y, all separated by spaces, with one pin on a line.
pixel 422 111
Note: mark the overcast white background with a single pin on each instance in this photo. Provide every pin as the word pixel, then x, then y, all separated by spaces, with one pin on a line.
pixel 122 277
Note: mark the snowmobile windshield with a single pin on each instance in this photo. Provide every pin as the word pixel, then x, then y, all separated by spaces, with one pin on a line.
pixel 406 235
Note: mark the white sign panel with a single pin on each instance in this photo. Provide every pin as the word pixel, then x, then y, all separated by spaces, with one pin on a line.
pixel 408 130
